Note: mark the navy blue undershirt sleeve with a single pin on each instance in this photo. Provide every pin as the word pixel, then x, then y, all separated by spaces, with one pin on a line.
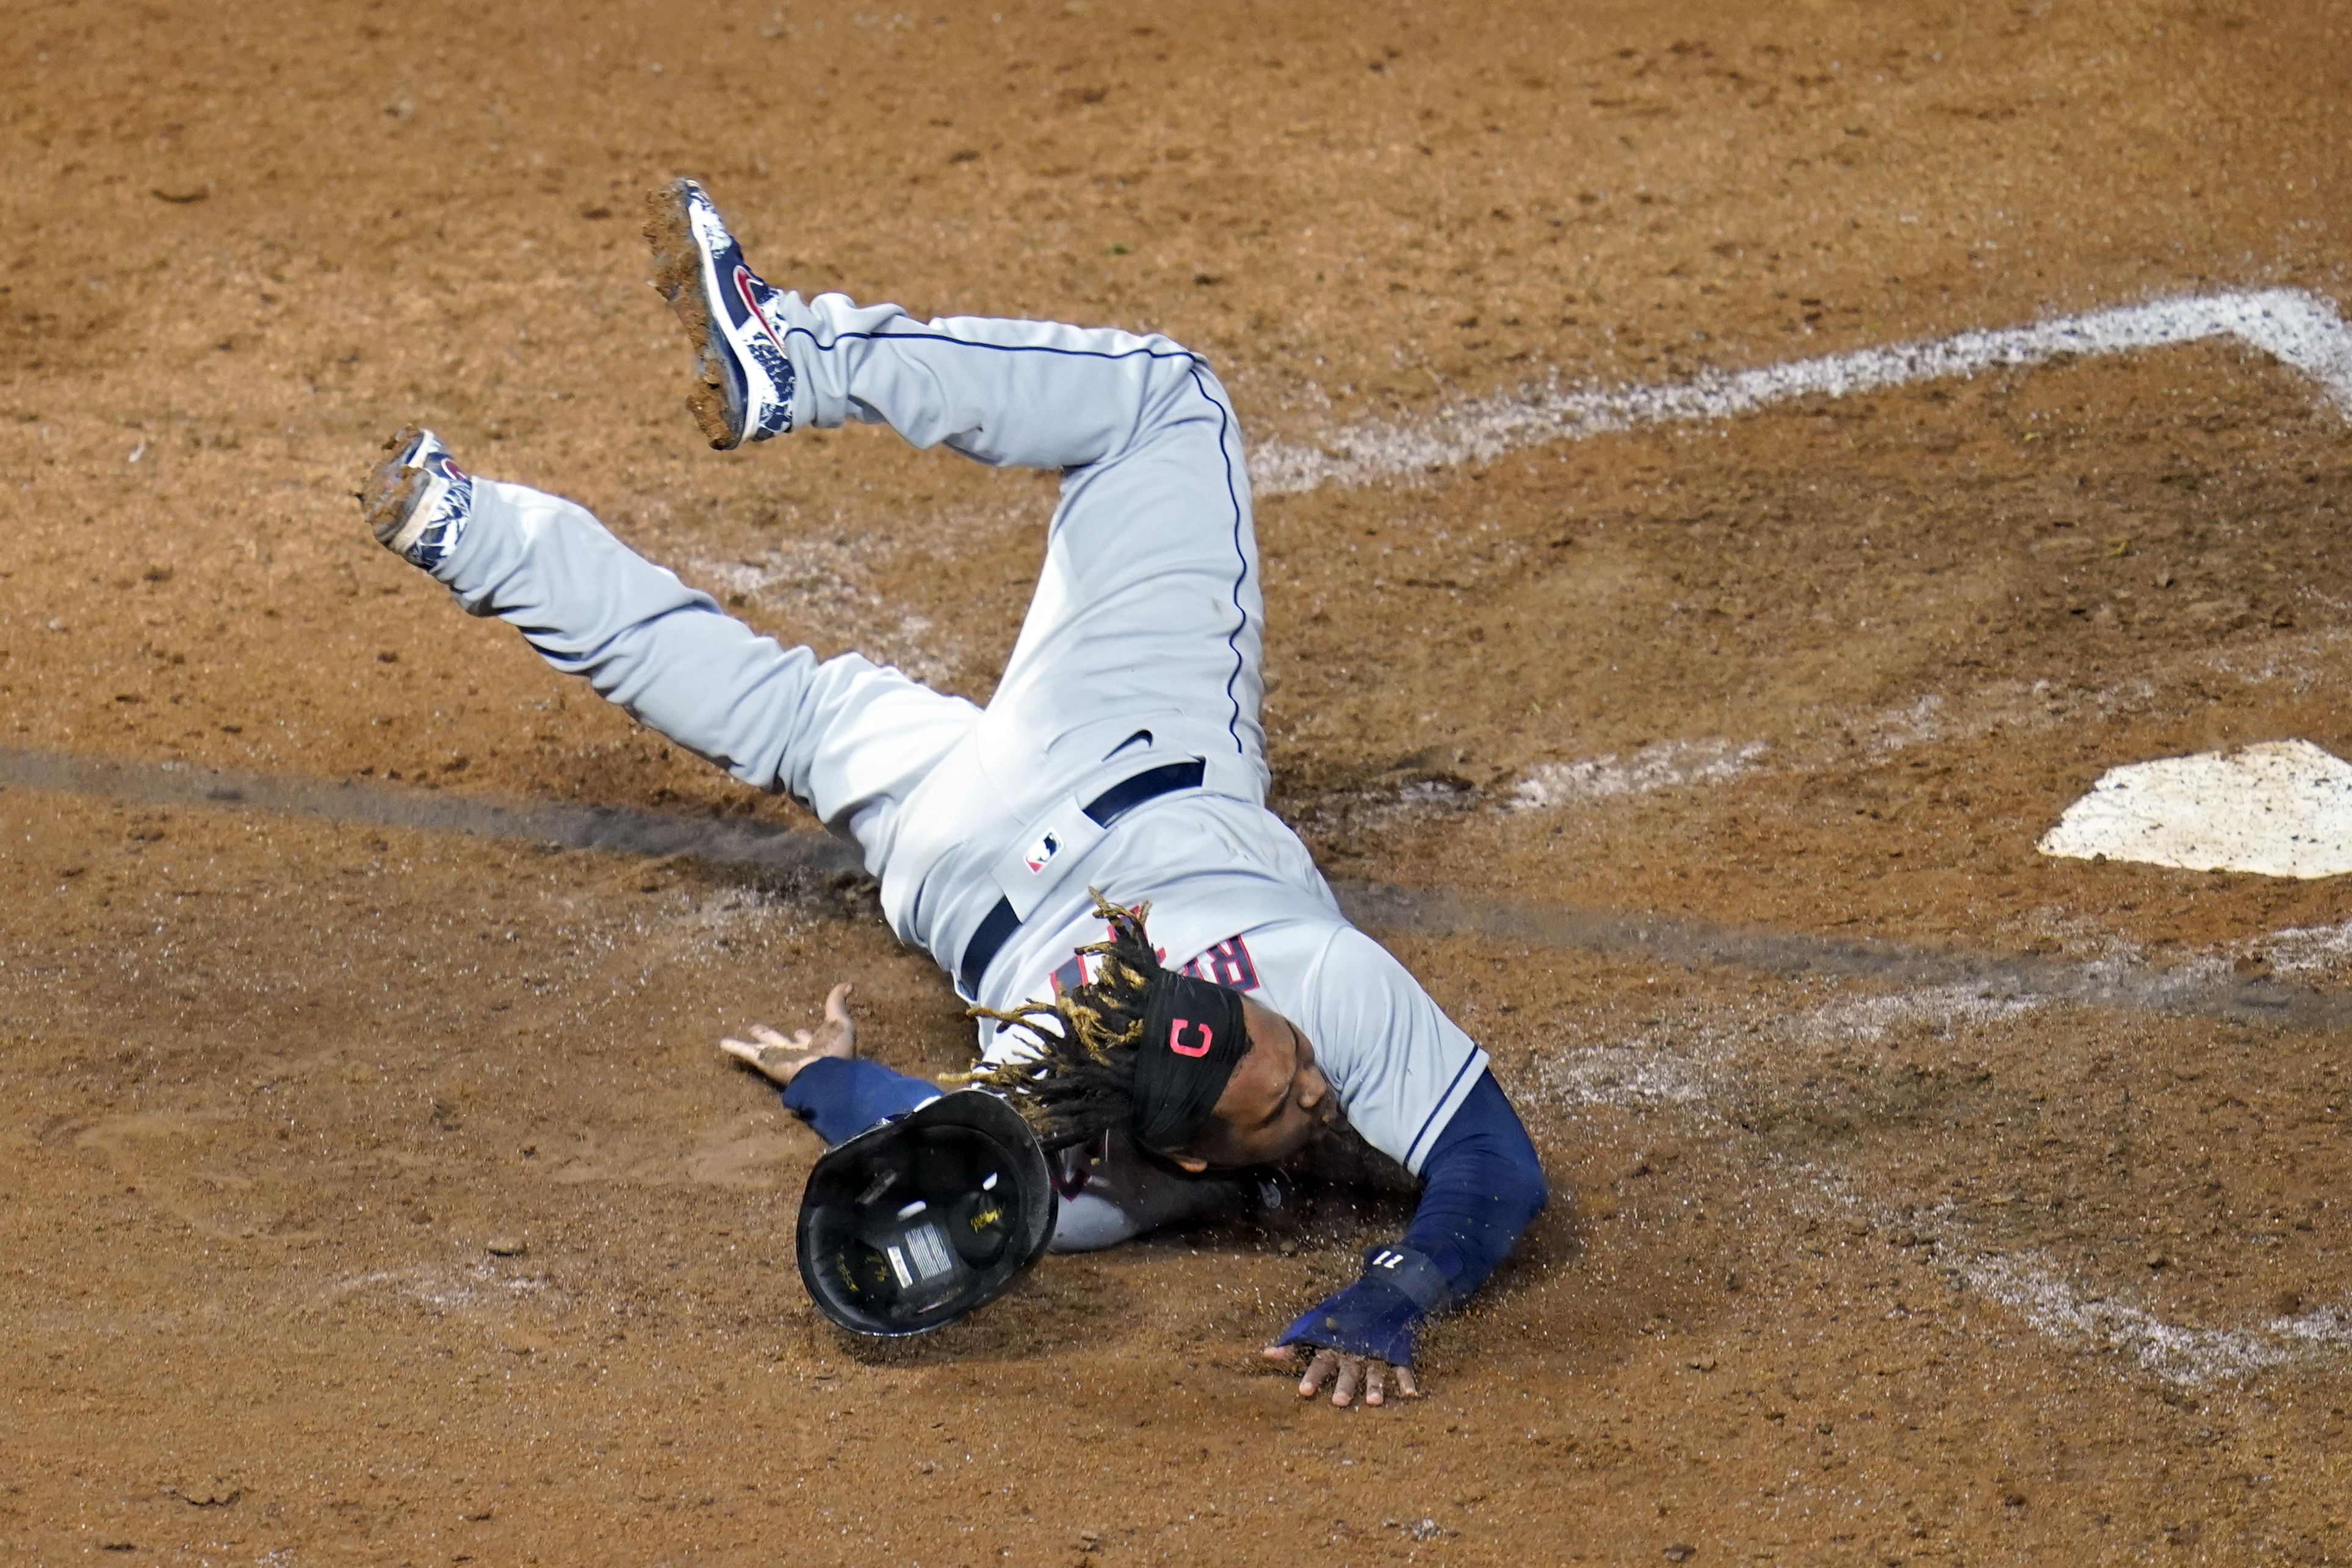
pixel 841 1099
pixel 1481 1186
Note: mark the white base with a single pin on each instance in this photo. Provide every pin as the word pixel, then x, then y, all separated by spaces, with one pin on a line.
pixel 2280 808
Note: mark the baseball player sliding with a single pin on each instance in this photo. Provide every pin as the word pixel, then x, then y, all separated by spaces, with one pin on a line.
pixel 1160 974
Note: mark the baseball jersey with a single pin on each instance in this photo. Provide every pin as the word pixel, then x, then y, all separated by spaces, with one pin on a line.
pixel 1236 899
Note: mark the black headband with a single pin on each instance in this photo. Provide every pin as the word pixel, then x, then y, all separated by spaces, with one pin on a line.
pixel 1193 1038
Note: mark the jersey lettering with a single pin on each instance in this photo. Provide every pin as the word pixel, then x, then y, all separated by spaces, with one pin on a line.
pixel 1228 964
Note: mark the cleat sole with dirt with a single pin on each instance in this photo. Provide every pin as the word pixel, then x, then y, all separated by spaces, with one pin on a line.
pixel 677 274
pixel 391 488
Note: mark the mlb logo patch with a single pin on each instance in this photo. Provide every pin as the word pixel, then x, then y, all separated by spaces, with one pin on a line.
pixel 1041 853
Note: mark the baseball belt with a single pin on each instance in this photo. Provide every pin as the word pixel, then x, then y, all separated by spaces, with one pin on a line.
pixel 996 928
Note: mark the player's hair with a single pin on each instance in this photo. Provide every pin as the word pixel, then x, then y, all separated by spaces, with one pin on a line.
pixel 1080 1080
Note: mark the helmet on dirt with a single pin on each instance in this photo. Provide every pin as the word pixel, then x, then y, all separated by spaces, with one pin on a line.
pixel 914 1223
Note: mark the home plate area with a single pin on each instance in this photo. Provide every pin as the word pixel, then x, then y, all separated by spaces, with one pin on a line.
pixel 1807 601
pixel 2276 808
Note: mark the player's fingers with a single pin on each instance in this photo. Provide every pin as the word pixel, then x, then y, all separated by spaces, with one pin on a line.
pixel 802 1040
pixel 1351 1371
pixel 1278 1352
pixel 1319 1371
pixel 1374 1380
pixel 767 1036
pixel 837 1003
pixel 771 1061
pixel 1405 1385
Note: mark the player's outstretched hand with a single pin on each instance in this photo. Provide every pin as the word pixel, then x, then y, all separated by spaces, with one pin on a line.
pixel 781 1057
pixel 1345 1373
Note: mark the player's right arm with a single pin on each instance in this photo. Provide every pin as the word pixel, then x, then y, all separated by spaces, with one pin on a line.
pixel 1481 1187
pixel 1398 1062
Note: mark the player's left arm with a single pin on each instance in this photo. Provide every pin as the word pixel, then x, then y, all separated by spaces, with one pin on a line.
pixel 1481 1187
pixel 826 1083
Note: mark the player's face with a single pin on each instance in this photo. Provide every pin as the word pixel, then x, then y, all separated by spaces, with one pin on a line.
pixel 1274 1101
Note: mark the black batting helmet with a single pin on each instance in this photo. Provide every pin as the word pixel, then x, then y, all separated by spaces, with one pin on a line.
pixel 914 1223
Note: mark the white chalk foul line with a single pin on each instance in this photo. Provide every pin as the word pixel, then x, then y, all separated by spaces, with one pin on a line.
pixel 2038 1292
pixel 2299 329
pixel 2184 1357
pixel 1689 1071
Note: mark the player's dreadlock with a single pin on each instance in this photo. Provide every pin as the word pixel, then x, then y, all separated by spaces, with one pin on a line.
pixel 1082 1079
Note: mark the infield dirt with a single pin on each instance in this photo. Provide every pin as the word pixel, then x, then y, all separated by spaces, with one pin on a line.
pixel 381 1197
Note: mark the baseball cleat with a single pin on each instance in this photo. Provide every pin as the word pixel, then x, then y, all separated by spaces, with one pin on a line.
pixel 420 501
pixel 743 382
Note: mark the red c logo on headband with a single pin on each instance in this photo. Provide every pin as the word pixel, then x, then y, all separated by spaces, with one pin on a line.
pixel 1176 1038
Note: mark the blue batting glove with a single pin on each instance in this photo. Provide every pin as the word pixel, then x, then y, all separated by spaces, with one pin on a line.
pixel 1378 1315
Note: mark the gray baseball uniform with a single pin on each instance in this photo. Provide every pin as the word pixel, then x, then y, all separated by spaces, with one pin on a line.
pixel 1140 649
